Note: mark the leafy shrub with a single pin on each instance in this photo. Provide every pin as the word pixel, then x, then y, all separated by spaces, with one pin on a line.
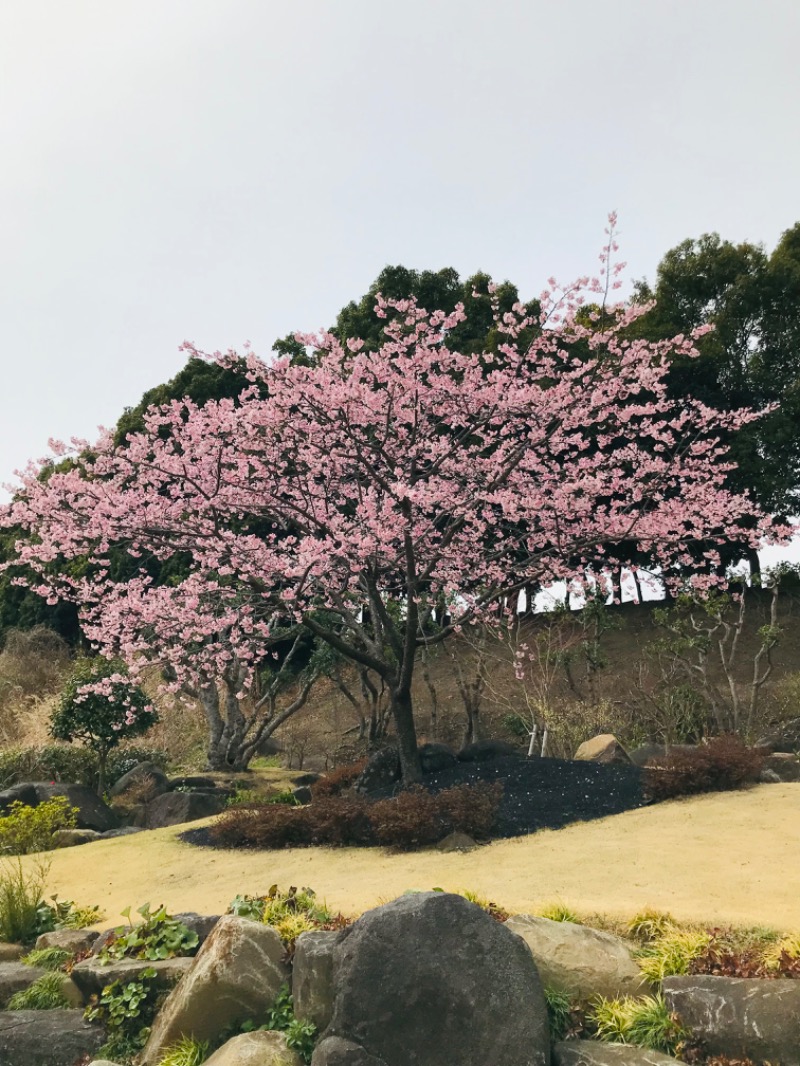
pixel 59 762
pixel 48 958
pixel 187 1052
pixel 644 1022
pixel 787 949
pixel 289 913
pixel 300 1035
pixel 412 818
pixel 650 924
pixel 21 901
pixel 561 1013
pixel 27 829
pixel 126 1010
pixel 45 994
pixel 338 780
pixel 64 914
pixel 671 953
pixel 723 763
pixel 249 797
pixel 158 936
pixel 779 957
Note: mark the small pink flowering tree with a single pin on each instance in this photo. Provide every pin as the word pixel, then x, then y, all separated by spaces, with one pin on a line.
pixel 382 499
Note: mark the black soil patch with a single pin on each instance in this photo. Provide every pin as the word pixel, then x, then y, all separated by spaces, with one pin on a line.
pixel 537 793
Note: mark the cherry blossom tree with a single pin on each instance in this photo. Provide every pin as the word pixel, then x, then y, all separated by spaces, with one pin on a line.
pixel 383 499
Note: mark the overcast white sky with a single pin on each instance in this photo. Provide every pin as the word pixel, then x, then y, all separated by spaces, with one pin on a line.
pixel 232 170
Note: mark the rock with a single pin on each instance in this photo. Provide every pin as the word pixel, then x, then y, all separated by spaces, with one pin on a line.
pixel 70 838
pixel 783 738
pixel 769 777
pixel 432 979
pixel 74 940
pixel 306 779
pixel 312 977
pixel 10 952
pixel 202 924
pixel 146 779
pixel 91 977
pixel 92 812
pixel 255 1049
pixel 483 750
pixel 740 1017
pixel 236 975
pixel 103 1062
pixel 47 1038
pixel 456 842
pixel 581 961
pixel 381 773
pixel 436 757
pixel 604 749
pixel 785 767
pixel 123 831
pixel 15 976
pixel 597 1053
pixel 174 808
pixel 22 793
pixel 102 939
pixel 193 783
pixel 302 794
pixel 70 991
pixel 334 1051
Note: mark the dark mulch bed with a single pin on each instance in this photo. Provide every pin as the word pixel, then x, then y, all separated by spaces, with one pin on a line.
pixel 537 793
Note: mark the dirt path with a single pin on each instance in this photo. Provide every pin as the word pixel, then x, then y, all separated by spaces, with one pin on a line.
pixel 727 857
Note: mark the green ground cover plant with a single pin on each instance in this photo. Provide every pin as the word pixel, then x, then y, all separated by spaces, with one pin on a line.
pixel 45 994
pixel 641 1021
pixel 48 958
pixel 126 1010
pixel 157 936
pixel 187 1052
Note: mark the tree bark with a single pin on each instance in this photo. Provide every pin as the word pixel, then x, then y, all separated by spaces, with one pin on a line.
pixel 403 715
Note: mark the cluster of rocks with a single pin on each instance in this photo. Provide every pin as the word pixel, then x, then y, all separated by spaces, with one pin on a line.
pixel 144 798
pixel 429 979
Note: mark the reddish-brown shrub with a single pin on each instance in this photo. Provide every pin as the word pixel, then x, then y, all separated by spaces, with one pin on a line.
pixel 338 780
pixel 723 962
pixel 723 763
pixel 408 820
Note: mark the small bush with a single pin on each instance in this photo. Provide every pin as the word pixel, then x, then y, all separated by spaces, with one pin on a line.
pixel 338 780
pixel 672 954
pixel 558 912
pixel 561 1013
pixel 158 936
pixel 289 913
pixel 722 764
pixel 187 1052
pixel 644 1022
pixel 21 901
pixel 48 958
pixel 411 819
pixel 27 829
pixel 45 994
pixel 126 1011
pixel 650 924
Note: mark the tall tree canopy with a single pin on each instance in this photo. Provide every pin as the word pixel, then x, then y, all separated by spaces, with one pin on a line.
pixel 398 492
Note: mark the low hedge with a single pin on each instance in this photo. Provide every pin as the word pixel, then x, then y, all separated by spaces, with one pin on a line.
pixel 409 820
pixel 724 763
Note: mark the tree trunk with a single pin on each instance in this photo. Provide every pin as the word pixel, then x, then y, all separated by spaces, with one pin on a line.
pixel 102 760
pixel 403 715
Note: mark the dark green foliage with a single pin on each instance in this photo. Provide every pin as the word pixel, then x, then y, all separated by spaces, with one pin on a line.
pixel 301 1036
pixel 48 958
pixel 101 721
pixel 45 994
pixel 409 820
pixel 127 1012
pixel 57 762
pixel 722 764
pixel 158 936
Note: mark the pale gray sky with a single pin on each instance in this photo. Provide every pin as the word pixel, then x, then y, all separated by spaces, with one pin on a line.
pixel 231 170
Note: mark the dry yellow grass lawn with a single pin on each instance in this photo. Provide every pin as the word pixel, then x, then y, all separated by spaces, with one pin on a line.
pixel 732 857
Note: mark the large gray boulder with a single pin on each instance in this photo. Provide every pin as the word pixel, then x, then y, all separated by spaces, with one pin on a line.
pixel 147 780
pixel 785 767
pixel 784 737
pixel 255 1049
pixel 581 961
pixel 604 749
pixel 91 977
pixel 74 940
pixel 236 975
pixel 595 1053
pixel 740 1017
pixel 22 793
pixel 432 979
pixel 47 1038
pixel 312 977
pixel 11 952
pixel 92 812
pixel 175 808
pixel 15 977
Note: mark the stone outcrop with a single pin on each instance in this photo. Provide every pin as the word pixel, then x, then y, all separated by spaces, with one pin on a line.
pixel 255 1049
pixel 236 976
pixel 381 774
pixel 16 976
pixel 312 977
pixel 431 978
pixel 71 838
pixel 740 1017
pixel 146 780
pixel 74 940
pixel 604 749
pixel 596 1053
pixel 436 757
pixel 92 812
pixel 91 977
pixel 175 808
pixel 581 961
pixel 47 1038
pixel 783 738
